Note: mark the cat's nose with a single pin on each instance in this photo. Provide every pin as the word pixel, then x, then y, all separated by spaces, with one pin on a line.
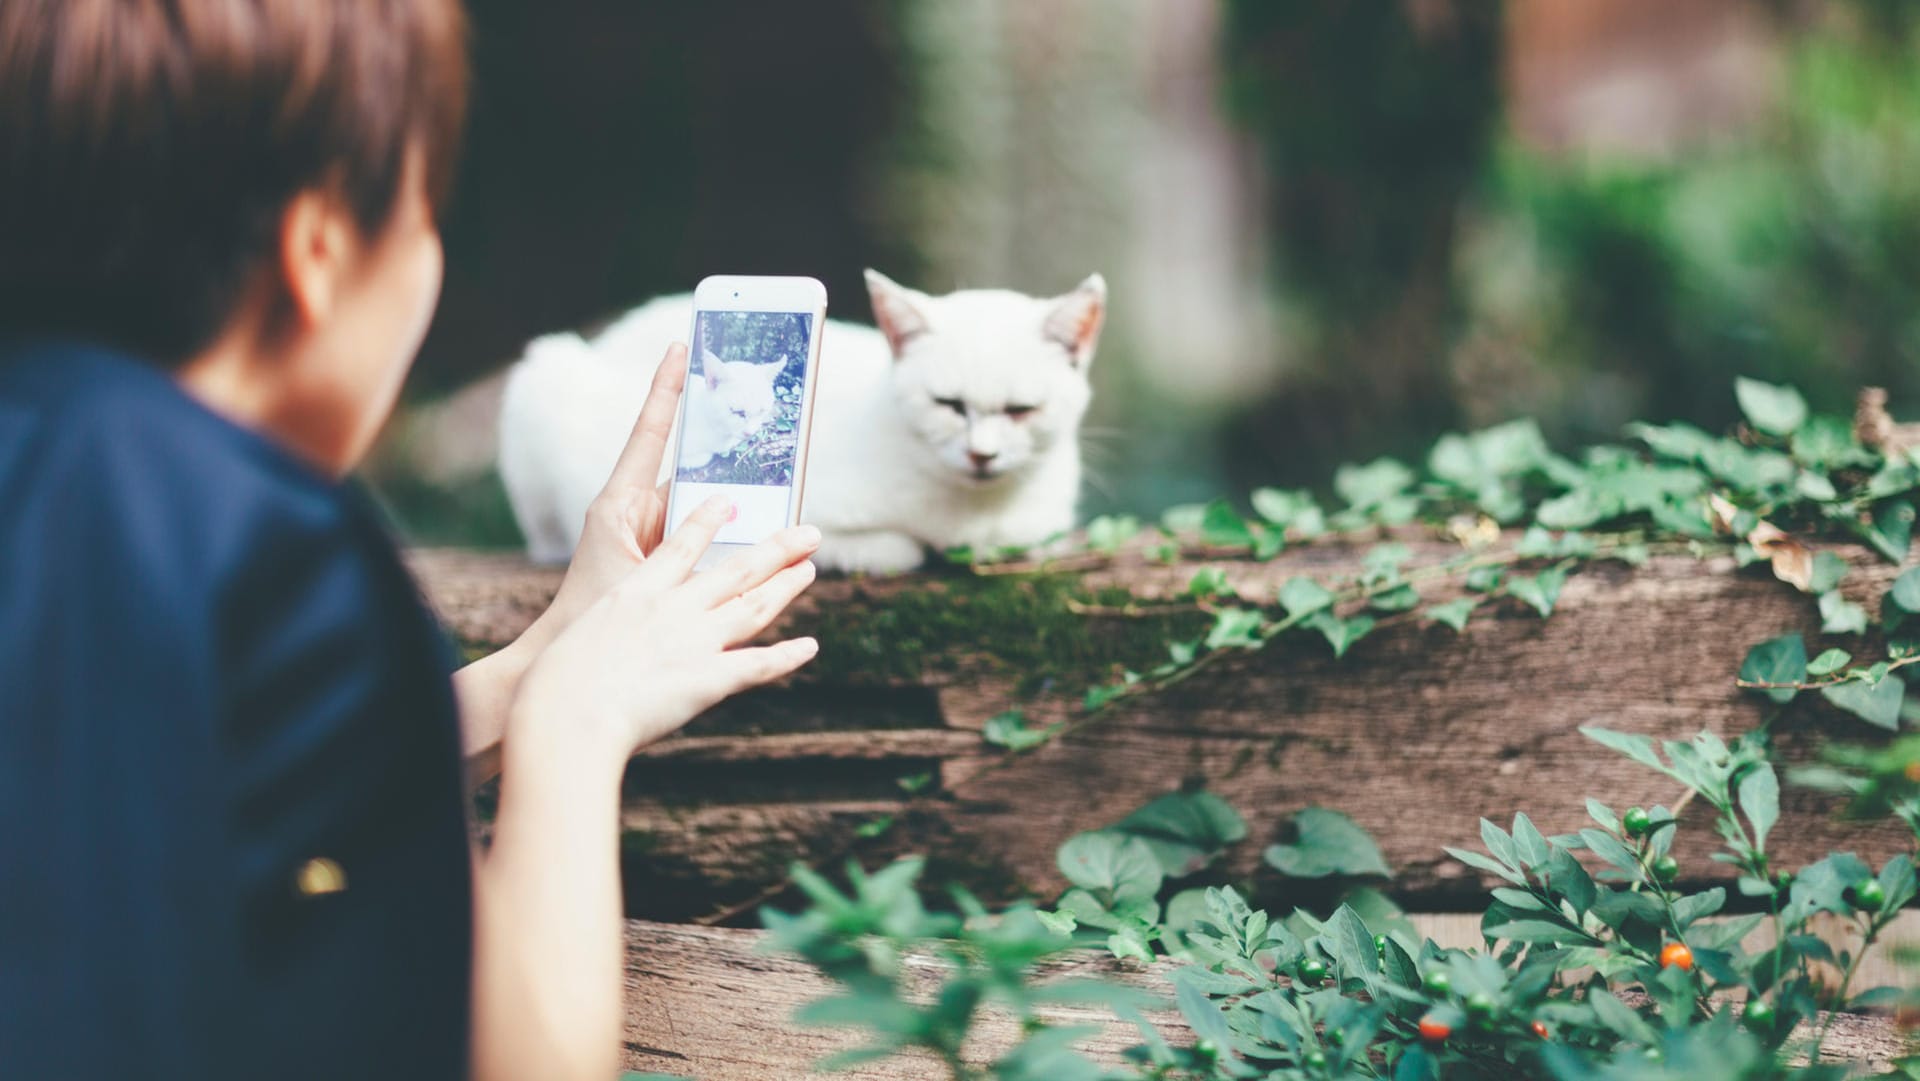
pixel 980 460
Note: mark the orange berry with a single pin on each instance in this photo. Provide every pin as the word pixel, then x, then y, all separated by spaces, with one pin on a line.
pixel 1913 772
pixel 1434 1030
pixel 1540 1029
pixel 1676 955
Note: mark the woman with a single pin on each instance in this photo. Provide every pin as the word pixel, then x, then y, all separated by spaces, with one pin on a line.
pixel 230 758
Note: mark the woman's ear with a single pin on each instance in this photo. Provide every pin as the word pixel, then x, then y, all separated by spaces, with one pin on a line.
pixel 317 248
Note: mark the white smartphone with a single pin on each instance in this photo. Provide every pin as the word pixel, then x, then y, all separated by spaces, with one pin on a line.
pixel 747 411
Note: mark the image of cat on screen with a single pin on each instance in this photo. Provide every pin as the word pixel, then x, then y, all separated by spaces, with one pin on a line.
pixel 743 397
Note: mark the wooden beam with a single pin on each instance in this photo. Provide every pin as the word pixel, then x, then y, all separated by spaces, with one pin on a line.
pixel 1416 734
pixel 710 1003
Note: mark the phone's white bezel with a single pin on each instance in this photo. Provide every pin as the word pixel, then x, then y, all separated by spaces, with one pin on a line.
pixel 756 293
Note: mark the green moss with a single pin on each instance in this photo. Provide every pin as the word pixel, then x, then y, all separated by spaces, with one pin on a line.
pixel 1019 625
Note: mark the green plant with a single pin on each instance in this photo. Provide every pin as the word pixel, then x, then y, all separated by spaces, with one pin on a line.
pixel 1584 976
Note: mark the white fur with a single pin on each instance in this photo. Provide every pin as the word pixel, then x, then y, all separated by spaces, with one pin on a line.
pixel 890 471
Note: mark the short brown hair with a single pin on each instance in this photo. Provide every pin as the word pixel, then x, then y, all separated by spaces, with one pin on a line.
pixel 148 147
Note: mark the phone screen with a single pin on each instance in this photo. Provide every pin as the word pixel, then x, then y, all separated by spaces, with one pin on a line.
pixel 741 419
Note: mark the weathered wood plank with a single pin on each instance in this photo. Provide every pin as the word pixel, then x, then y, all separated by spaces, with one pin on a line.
pixel 709 1003
pixel 1417 733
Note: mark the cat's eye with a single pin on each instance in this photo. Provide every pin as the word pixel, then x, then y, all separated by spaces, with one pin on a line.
pixel 1019 411
pixel 954 404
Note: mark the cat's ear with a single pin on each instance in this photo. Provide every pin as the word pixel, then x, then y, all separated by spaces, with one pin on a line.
pixel 1075 320
pixel 897 311
pixel 710 368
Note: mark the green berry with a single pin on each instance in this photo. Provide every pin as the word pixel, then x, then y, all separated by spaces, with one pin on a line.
pixel 1636 821
pixel 1336 1037
pixel 1758 1015
pixel 1783 879
pixel 1479 1006
pixel 1380 945
pixel 1868 896
pixel 1665 869
pixel 1654 1054
pixel 1314 1060
pixel 1206 1050
pixel 1312 971
pixel 1437 983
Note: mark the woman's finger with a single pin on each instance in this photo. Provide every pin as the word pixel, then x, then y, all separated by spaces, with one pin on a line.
pixel 741 669
pixel 674 559
pixel 639 464
pixel 750 568
pixel 750 613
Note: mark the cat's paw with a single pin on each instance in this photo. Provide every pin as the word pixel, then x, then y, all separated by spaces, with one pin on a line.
pixel 869 553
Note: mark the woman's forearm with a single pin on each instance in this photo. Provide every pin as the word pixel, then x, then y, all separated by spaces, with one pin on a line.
pixel 486 690
pixel 547 949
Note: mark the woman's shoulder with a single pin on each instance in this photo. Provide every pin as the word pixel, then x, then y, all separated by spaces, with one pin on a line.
pixel 105 450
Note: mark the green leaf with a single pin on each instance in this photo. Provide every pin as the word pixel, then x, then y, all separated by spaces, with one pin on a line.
pixel 1453 613
pixel 1222 527
pixel 1892 530
pixel 1776 410
pixel 1486 863
pixel 1340 633
pixel 1839 615
pixel 1185 830
pixel 1206 1019
pixel 1536 931
pixel 1327 843
pixel 1398 599
pixel 1634 746
pixel 1485 579
pixel 1235 628
pixel 1300 596
pixel 1060 923
pixel 1109 531
pixel 1010 730
pixel 1828 570
pixel 1541 591
pixel 1111 866
pixel 1372 484
pixel 1777 660
pixel 1759 797
pixel 1828 662
pixel 1208 582
pixel 1905 594
pixel 1875 703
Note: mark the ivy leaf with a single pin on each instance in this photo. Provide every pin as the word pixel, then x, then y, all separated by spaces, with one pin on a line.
pixel 1828 662
pixel 1777 660
pixel 1112 866
pixel 1875 703
pixel 1010 730
pixel 1222 527
pixel 1828 570
pixel 1235 628
pixel 1186 831
pixel 1776 410
pixel 1905 594
pixel 1398 599
pixel 1454 613
pixel 1372 484
pixel 1109 531
pixel 1839 615
pixel 1485 579
pixel 1327 843
pixel 1300 596
pixel 1340 633
pixel 1542 591
pixel 1208 582
pixel 1892 529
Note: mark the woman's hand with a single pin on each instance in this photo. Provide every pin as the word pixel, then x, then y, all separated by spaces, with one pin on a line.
pixel 659 647
pixel 625 521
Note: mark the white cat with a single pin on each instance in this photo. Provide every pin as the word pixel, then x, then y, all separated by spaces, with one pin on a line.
pixel 738 402
pixel 956 423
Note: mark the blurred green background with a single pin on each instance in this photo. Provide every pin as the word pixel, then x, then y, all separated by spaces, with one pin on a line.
pixel 1331 230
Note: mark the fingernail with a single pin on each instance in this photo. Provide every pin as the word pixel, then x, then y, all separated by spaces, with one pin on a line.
pixel 808 535
pixel 733 511
pixel 714 504
pixel 806 647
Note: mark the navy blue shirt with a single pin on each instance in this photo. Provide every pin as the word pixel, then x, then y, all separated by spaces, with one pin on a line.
pixel 220 698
